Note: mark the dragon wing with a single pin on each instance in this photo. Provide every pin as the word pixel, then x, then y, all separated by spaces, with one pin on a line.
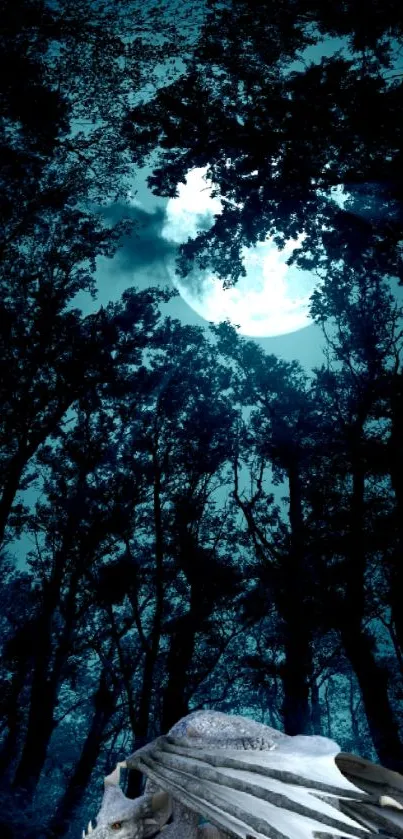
pixel 293 790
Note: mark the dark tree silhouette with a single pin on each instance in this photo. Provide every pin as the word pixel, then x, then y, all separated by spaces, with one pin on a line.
pixel 276 139
pixel 163 576
pixel 87 504
pixel 104 703
pixel 279 432
pixel 363 357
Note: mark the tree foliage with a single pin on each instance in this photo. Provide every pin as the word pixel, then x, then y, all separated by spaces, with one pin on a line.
pixel 277 139
pixel 212 526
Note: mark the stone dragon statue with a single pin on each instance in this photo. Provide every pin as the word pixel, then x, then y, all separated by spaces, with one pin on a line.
pixel 215 776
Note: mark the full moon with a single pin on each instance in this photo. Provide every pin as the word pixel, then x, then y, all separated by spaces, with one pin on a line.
pixel 272 299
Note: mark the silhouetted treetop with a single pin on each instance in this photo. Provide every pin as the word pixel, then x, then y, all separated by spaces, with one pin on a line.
pixel 276 139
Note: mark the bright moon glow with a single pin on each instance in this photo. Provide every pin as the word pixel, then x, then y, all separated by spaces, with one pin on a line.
pixel 272 299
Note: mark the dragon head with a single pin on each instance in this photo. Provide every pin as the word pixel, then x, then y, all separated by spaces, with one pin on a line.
pixel 127 818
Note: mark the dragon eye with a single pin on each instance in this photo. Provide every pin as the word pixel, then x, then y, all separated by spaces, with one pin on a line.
pixel 116 825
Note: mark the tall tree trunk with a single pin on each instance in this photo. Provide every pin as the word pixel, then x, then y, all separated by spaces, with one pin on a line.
pixel 396 473
pixel 144 708
pixel 42 701
pixel 175 702
pixel 297 670
pixel 104 706
pixel 298 650
pixel 296 711
pixel 373 682
pixel 45 685
pixel 40 728
pixel 358 645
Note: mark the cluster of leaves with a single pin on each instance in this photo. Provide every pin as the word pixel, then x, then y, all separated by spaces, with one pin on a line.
pixel 278 139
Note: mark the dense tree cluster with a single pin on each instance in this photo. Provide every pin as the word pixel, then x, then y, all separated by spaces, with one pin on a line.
pixel 277 140
pixel 165 574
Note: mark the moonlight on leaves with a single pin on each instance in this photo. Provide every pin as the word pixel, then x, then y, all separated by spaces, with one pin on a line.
pixel 272 299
